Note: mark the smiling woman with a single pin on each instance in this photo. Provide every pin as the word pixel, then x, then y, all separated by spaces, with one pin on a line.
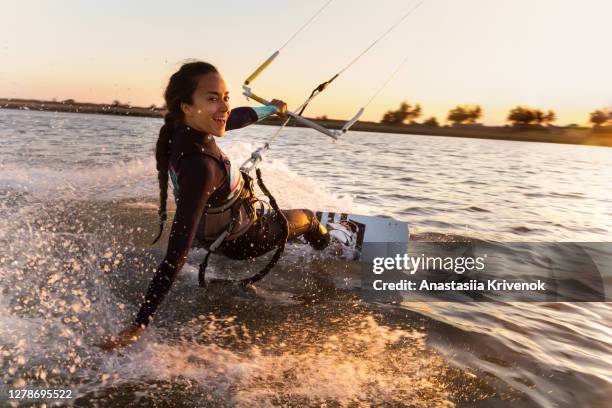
pixel 210 108
pixel 215 201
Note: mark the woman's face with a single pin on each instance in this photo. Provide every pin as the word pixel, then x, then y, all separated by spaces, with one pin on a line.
pixel 210 107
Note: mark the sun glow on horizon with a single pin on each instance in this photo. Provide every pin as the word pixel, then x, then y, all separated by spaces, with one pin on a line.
pixel 476 52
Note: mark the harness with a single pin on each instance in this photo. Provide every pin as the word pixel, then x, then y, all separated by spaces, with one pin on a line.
pixel 264 271
pixel 231 216
pixel 236 209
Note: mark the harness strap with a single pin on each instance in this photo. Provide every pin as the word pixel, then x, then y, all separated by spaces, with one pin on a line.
pixel 261 274
pixel 214 246
pixel 266 269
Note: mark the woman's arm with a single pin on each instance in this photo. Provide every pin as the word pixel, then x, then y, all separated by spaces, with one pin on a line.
pixel 244 116
pixel 198 177
pixel 196 184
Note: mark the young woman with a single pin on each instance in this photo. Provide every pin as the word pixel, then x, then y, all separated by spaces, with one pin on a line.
pixel 213 198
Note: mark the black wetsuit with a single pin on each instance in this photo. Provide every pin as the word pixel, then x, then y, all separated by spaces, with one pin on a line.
pixel 203 183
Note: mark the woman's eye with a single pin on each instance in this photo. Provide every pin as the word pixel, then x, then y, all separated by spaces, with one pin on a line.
pixel 213 99
pixel 226 99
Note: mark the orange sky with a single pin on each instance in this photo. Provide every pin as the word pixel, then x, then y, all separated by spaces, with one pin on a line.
pixel 542 53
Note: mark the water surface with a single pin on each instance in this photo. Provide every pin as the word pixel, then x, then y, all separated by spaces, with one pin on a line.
pixel 78 198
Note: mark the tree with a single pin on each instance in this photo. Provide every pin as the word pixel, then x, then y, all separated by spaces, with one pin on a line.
pixel 522 115
pixel 538 116
pixel 404 113
pixel 550 117
pixel 411 114
pixel 464 114
pixel 431 122
pixel 390 117
pixel 600 117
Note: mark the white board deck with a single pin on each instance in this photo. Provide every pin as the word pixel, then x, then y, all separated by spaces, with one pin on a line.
pixel 374 236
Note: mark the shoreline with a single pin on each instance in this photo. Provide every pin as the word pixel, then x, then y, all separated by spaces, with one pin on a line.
pixel 552 134
pixel 80 107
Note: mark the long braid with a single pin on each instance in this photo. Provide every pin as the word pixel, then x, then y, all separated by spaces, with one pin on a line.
pixel 162 157
pixel 180 89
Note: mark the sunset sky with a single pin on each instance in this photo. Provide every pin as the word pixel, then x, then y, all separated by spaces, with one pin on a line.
pixel 547 54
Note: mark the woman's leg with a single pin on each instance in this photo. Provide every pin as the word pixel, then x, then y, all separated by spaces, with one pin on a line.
pixel 268 231
pixel 304 222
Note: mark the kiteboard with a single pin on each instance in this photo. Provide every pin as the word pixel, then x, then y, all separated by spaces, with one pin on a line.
pixel 364 237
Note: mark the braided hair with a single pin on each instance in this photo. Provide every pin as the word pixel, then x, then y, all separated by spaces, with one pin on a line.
pixel 180 89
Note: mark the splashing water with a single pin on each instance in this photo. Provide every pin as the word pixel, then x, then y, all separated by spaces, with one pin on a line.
pixel 75 227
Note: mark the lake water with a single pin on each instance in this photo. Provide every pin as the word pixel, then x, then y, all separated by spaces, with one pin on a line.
pixel 78 199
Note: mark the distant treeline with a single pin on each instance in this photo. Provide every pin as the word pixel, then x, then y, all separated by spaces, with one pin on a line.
pixel 70 105
pixel 519 116
pixel 406 114
pixel 402 121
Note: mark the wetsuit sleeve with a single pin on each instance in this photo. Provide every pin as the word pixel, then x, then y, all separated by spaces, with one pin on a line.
pixel 244 116
pixel 265 111
pixel 198 176
pixel 241 117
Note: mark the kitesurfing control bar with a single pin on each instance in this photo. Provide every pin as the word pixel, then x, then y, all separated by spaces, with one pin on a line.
pixel 263 66
pixel 333 134
pixel 351 122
